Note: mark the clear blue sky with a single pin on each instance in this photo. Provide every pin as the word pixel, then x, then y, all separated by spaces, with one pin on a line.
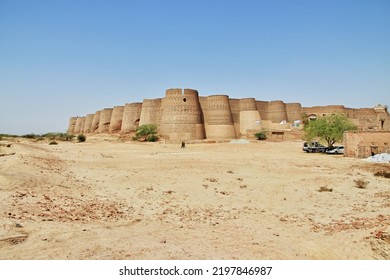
pixel 67 58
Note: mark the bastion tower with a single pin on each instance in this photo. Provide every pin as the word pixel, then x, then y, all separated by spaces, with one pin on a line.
pixel 181 115
pixel 219 117
pixel 131 117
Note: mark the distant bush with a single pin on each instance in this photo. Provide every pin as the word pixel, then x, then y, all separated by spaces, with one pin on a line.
pixel 81 138
pixel 50 136
pixel 31 136
pixel 58 136
pixel 261 135
pixel 53 142
pixel 65 137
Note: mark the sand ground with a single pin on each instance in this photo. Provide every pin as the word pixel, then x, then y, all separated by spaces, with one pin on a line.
pixel 109 199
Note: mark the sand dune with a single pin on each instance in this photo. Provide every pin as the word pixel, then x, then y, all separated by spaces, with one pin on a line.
pixel 108 199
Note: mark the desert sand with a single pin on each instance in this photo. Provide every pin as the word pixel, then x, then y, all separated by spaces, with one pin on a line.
pixel 114 199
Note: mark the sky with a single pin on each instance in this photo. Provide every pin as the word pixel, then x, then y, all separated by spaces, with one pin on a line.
pixel 73 57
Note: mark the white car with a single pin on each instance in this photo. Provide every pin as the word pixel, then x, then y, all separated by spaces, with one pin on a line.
pixel 336 150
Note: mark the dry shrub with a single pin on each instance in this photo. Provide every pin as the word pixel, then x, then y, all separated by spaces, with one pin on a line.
pixel 382 173
pixel 361 184
pixel 212 180
pixel 325 189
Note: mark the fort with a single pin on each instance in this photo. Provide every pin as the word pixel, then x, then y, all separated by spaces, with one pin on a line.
pixel 183 115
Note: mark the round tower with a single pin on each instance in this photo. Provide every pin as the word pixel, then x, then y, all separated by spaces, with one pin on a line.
pixel 248 104
pixel 79 126
pixel 72 123
pixel 262 108
pixel 219 118
pixel 249 116
pixel 277 111
pixel 95 122
pixel 131 117
pixel 294 112
pixel 88 123
pixel 151 112
pixel 181 115
pixel 105 119
pixel 116 119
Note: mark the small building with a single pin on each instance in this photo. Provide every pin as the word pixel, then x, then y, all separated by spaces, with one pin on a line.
pixel 363 144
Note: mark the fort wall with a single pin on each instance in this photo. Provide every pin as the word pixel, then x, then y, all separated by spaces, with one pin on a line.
pixel 235 109
pixel 95 122
pixel 249 120
pixel 88 123
pixel 366 119
pixel 294 112
pixel 277 111
pixel 151 112
pixel 184 115
pixel 105 119
pixel 321 111
pixel 219 118
pixel 366 143
pixel 203 107
pixel 116 119
pixel 262 108
pixel 249 116
pixel 79 126
pixel 72 124
pixel 131 117
pixel 181 115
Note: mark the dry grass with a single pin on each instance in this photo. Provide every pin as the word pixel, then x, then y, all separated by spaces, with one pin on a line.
pixel 361 184
pixel 212 180
pixel 325 189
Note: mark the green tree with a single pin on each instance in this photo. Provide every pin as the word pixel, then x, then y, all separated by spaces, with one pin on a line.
pixel 329 128
pixel 305 118
pixel 147 131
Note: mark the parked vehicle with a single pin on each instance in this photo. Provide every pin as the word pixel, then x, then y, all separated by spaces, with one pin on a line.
pixel 336 150
pixel 314 147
